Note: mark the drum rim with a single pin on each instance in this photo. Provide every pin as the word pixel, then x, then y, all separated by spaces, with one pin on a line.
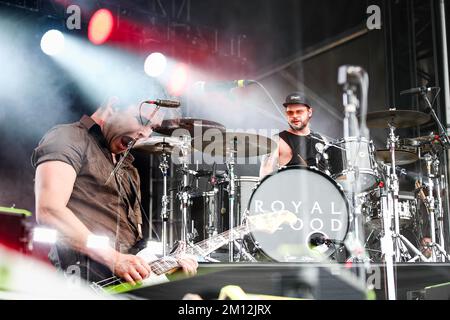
pixel 367 172
pixel 285 168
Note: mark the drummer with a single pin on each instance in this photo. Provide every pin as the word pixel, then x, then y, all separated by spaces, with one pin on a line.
pixel 298 145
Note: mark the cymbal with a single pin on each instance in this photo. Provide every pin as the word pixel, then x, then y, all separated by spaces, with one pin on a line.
pixel 195 127
pixel 243 145
pixel 401 157
pixel 158 144
pixel 396 118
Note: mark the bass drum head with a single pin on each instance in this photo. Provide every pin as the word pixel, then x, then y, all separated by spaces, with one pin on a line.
pixel 317 201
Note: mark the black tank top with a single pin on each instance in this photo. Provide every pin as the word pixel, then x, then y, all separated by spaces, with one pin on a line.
pixel 305 149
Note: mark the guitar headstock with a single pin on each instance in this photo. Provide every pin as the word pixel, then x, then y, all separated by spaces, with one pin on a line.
pixel 270 222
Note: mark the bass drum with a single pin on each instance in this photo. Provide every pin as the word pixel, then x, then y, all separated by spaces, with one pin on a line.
pixel 319 204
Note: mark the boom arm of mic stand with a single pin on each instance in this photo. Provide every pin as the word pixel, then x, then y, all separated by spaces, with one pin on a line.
pixel 441 128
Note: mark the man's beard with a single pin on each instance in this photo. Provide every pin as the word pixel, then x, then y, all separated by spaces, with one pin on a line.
pixel 298 128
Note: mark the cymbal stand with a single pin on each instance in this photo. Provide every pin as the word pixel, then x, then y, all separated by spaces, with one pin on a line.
pixel 231 193
pixel 434 209
pixel 184 195
pixel 399 242
pixel 164 166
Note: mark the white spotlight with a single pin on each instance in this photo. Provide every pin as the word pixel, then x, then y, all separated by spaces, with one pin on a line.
pixel 155 64
pixel 97 242
pixel 44 235
pixel 52 42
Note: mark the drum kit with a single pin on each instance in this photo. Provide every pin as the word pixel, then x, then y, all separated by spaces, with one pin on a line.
pixel 204 214
pixel 320 200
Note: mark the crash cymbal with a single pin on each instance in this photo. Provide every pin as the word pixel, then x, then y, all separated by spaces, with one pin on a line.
pixel 195 127
pixel 158 145
pixel 401 157
pixel 243 145
pixel 396 118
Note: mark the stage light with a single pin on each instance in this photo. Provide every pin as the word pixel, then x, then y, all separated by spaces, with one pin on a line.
pixel 100 26
pixel 97 242
pixel 52 42
pixel 178 80
pixel 44 235
pixel 155 64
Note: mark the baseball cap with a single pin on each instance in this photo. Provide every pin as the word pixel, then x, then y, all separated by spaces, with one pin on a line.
pixel 297 98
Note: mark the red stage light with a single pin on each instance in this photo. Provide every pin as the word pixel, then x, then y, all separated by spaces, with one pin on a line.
pixel 179 79
pixel 100 26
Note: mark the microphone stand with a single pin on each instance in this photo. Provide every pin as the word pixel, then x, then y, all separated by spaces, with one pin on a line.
pixel 358 131
pixel 443 133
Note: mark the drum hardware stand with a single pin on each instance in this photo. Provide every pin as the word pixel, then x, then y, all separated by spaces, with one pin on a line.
pixel 435 205
pixel 391 211
pixel 393 244
pixel 184 195
pixel 445 140
pixel 164 166
pixel 440 217
pixel 231 191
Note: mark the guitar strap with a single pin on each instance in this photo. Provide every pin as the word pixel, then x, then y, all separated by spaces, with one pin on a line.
pixel 136 198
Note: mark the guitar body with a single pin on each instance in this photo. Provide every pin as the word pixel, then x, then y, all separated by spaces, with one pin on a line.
pixel 268 222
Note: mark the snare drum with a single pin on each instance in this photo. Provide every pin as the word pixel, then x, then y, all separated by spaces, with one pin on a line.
pixel 318 203
pixel 347 154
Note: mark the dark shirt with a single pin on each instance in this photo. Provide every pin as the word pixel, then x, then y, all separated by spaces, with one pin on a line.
pixel 305 149
pixel 110 210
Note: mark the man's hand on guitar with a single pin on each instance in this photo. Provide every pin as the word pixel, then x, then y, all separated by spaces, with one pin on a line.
pixel 131 268
pixel 188 264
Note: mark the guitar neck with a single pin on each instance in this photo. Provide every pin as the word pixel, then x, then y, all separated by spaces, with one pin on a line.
pixel 164 265
pixel 202 248
pixel 205 247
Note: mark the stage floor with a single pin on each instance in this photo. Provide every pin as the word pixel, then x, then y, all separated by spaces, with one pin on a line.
pixel 316 281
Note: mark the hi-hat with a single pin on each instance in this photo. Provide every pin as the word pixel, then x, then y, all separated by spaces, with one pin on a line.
pixel 402 157
pixel 241 144
pixel 195 127
pixel 158 144
pixel 396 118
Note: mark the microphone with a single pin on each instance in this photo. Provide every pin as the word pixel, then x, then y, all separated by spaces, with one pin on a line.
pixel 417 90
pixel 202 86
pixel 164 103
